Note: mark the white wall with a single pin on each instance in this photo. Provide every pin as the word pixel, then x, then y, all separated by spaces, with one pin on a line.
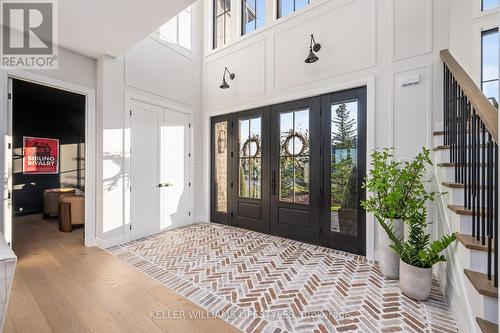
pixel 158 73
pixel 379 41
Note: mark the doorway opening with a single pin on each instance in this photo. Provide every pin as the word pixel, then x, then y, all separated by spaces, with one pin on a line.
pixel 48 162
pixel 294 170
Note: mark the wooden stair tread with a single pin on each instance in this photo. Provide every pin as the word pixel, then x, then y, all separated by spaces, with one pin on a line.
pixel 461 210
pixel 487 326
pixel 470 242
pixel 481 283
pixel 453 164
pixel 456 185
pixel 444 147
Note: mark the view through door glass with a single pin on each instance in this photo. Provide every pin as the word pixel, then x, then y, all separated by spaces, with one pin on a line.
pixel 344 144
pixel 220 166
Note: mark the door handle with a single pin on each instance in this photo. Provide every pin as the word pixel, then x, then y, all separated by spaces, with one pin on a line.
pixel 165 185
pixel 273 182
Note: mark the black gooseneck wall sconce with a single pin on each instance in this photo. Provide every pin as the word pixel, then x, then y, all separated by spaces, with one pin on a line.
pixel 224 84
pixel 313 48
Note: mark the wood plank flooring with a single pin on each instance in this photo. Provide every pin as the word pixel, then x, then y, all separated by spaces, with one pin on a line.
pixel 62 286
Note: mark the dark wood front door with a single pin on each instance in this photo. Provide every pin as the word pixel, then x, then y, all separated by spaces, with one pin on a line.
pixel 250 170
pixel 295 170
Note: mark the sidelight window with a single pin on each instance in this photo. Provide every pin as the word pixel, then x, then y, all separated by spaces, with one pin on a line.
pixel 253 13
pixel 221 195
pixel 294 156
pixel 250 158
pixel 222 22
pixel 343 167
pixel 286 7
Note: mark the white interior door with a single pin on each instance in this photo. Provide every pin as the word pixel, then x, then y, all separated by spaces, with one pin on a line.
pixel 175 183
pixel 145 124
pixel 7 186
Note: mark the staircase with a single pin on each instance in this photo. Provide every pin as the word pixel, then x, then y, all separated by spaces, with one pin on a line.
pixel 466 156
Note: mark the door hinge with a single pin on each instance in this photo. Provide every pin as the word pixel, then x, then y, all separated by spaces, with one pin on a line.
pixel 232 215
pixel 189 213
pixel 131 112
pixel 189 184
pixel 189 154
pixel 231 184
pixel 9 196
pixel 232 125
pixel 189 125
pixel 9 96
pixel 130 188
pixel 231 154
pixel 130 227
pixel 9 146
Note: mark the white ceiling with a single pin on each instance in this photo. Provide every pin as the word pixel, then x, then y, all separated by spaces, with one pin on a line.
pixel 97 27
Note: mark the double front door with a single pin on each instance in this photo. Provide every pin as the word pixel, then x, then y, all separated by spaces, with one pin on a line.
pixel 293 170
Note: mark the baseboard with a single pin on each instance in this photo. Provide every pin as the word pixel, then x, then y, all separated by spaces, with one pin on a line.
pixel 110 242
pixel 200 218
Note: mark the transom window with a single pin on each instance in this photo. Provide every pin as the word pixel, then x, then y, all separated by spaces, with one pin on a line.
pixel 286 7
pixel 222 22
pixel 488 4
pixel 253 14
pixel 489 63
pixel 178 30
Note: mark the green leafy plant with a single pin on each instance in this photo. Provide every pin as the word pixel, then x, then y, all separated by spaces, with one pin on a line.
pixel 418 250
pixel 398 189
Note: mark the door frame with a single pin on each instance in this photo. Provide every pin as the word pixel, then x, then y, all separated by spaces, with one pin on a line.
pixel 91 139
pixel 276 97
pixel 131 97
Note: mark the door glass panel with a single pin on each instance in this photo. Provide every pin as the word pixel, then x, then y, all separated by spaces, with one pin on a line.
pixel 294 156
pixel 250 158
pixel 343 170
pixel 221 166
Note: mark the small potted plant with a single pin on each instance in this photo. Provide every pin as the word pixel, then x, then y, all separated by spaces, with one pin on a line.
pixel 397 190
pixel 417 255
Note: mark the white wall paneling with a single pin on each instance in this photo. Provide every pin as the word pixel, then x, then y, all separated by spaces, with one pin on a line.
pixel 411 28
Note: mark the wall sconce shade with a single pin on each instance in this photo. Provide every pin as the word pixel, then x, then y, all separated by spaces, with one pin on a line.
pixel 313 47
pixel 224 84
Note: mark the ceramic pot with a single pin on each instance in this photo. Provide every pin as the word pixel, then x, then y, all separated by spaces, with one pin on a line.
pixel 415 282
pixel 388 259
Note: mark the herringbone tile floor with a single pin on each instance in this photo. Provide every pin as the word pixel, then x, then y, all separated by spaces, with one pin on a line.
pixel 262 283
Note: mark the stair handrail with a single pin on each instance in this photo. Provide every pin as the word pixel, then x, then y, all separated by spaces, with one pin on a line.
pixel 484 108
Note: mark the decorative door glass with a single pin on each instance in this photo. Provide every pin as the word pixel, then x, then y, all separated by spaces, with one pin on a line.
pixel 250 158
pixel 294 160
pixel 221 138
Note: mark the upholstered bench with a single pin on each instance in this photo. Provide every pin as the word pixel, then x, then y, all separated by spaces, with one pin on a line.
pixel 51 200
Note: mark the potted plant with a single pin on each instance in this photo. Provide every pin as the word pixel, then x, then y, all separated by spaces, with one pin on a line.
pixel 397 192
pixel 417 255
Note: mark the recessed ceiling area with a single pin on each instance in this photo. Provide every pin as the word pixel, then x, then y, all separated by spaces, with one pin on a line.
pixel 97 27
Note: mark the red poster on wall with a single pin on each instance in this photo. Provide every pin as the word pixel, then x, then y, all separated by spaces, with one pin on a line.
pixel 41 155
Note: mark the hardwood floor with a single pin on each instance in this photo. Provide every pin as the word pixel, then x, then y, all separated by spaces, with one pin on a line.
pixel 62 286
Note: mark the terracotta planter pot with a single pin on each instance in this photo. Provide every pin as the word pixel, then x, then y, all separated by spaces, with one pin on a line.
pixel 415 282
pixel 389 260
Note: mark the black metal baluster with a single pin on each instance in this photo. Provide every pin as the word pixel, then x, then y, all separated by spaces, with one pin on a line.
pixel 489 204
pixel 478 173
pixel 473 171
pixel 483 186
